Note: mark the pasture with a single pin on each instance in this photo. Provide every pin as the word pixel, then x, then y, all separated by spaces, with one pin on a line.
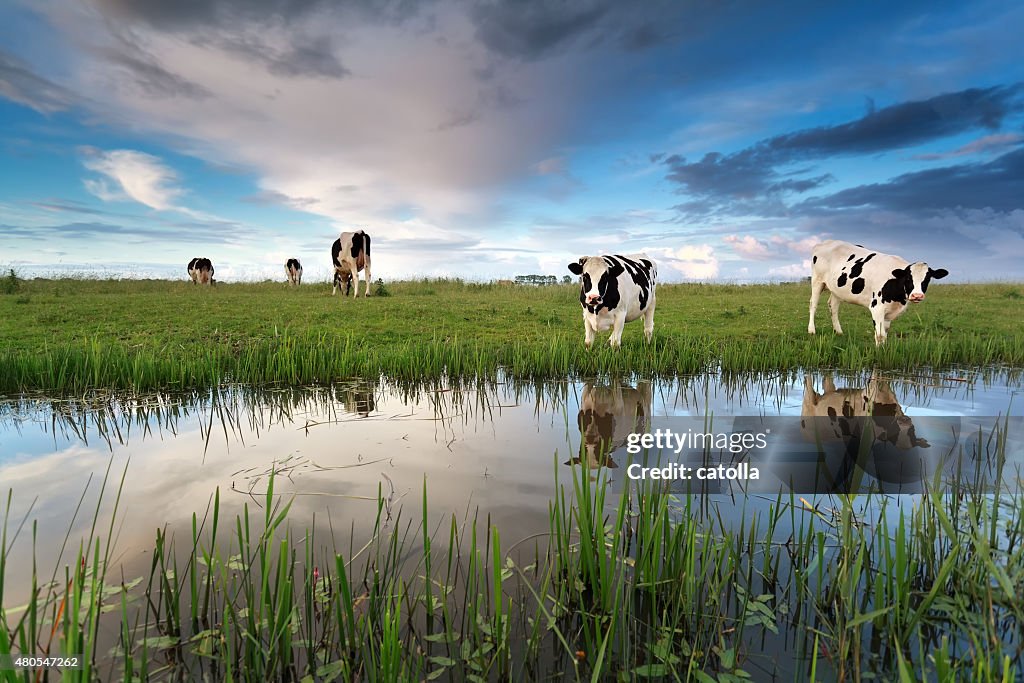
pixel 72 334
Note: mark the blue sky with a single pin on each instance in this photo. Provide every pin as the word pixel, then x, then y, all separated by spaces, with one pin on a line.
pixel 490 139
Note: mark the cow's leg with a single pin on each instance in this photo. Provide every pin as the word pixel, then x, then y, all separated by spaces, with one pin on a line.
pixel 817 286
pixel 829 386
pixel 649 322
pixel 354 282
pixel 366 272
pixel 334 288
pixel 881 326
pixel 617 325
pixel 588 331
pixel 833 305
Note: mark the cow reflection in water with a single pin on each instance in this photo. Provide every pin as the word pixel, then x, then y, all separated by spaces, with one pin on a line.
pixel 359 400
pixel 608 415
pixel 870 424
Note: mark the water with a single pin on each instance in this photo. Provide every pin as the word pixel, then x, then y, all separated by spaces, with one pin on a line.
pixel 488 450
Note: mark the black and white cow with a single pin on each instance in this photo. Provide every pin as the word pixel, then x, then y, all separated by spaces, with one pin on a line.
pixel 293 271
pixel 200 270
pixel 351 254
pixel 193 272
pixel 869 428
pixel 881 283
pixel 850 412
pixel 608 415
pixel 616 290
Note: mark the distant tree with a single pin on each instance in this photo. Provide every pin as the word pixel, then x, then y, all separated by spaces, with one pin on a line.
pixel 567 279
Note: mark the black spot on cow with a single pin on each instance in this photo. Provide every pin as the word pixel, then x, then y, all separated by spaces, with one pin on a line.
pixel 814 259
pixel 357 244
pixel 858 265
pixel 192 264
pixel 832 413
pixel 603 422
pixel 874 302
pixel 335 252
pixel 898 287
pixel 858 286
pixel 293 264
pixel 851 258
pixel 842 280
pixel 937 274
pixel 640 272
pixel 847 409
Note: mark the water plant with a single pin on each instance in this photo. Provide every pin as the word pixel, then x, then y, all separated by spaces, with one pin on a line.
pixel 645 582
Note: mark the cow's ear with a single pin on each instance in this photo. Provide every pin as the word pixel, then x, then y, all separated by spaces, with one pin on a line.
pixel 901 272
pixel 938 274
pixel 576 268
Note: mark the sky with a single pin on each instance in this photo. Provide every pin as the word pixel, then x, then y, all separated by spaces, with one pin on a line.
pixel 491 139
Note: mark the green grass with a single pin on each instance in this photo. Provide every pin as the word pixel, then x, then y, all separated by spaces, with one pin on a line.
pixel 642 585
pixel 71 335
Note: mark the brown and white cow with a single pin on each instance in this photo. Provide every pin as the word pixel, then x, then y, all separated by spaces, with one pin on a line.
pixel 608 415
pixel 881 283
pixel 293 271
pixel 351 254
pixel 200 270
pixel 615 290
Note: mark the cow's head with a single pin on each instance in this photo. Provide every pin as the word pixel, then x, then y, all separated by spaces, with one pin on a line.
pixel 343 280
pixel 598 278
pixel 913 280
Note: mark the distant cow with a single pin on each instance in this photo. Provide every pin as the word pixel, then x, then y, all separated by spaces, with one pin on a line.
pixel 351 254
pixel 616 290
pixel 293 271
pixel 881 283
pixel 193 272
pixel 608 415
pixel 200 270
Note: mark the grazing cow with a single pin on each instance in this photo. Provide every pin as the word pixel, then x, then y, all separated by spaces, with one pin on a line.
pixel 293 271
pixel 608 415
pixel 193 272
pixel 881 283
pixel 200 270
pixel 616 290
pixel 351 254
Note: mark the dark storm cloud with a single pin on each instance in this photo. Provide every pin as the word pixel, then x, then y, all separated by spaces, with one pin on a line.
pixel 20 84
pixel 174 15
pixel 519 29
pixel 533 28
pixel 907 124
pixel 997 185
pixel 720 179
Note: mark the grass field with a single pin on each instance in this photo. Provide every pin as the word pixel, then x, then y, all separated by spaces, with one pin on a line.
pixel 70 335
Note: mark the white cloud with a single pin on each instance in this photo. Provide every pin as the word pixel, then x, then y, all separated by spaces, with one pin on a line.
pixel 748 246
pixel 137 176
pixel 793 270
pixel 694 262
